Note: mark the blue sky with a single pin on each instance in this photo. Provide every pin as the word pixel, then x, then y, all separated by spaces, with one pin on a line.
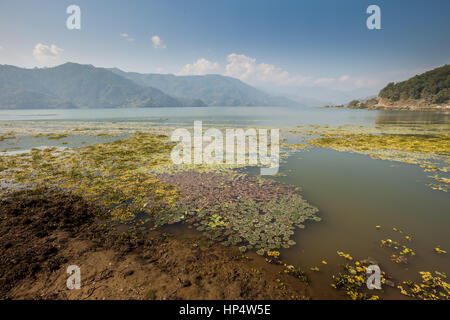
pixel 278 44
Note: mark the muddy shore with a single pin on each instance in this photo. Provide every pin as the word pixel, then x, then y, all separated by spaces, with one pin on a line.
pixel 44 231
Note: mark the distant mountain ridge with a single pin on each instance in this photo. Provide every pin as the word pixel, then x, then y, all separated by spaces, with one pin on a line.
pixel 72 85
pixel 212 89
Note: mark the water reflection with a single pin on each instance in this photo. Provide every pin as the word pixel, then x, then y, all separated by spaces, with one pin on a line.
pixel 407 118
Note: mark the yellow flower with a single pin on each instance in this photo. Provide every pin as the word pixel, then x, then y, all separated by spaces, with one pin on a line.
pixel 439 250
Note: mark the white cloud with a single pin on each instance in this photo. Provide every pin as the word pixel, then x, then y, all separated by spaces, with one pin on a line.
pixel 199 67
pixel 158 43
pixel 1 48
pixel 247 69
pixel 265 75
pixel 42 52
pixel 126 37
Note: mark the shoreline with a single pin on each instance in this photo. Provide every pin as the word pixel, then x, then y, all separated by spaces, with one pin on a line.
pixel 393 109
pixel 157 265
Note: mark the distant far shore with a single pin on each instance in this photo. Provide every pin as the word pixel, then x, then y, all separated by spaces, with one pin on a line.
pixel 383 104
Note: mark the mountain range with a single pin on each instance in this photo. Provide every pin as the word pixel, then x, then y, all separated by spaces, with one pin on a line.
pixel 73 85
pixel 212 89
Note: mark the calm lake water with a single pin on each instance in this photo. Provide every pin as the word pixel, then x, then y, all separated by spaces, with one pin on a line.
pixel 353 192
pixel 283 117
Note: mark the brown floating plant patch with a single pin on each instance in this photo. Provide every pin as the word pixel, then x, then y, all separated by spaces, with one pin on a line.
pixel 236 209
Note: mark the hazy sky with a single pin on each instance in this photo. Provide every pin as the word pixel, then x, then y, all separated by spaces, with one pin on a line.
pixel 282 44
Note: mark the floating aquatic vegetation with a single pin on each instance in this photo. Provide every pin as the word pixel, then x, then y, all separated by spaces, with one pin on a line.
pixel 114 175
pixel 93 130
pixel 52 136
pixel 134 180
pixel 296 272
pixel 439 250
pixel 402 250
pixel 274 254
pixel 295 147
pixel 260 252
pixel 242 248
pixel 7 136
pixel 353 280
pixel 438 144
pixel 426 147
pixel 236 209
pixel 273 257
pixel 429 288
pixel 345 255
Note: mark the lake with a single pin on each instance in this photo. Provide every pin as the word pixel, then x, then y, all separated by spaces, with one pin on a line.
pixel 272 116
pixel 353 192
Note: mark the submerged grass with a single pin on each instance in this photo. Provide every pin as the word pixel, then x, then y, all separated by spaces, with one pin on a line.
pixel 114 174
